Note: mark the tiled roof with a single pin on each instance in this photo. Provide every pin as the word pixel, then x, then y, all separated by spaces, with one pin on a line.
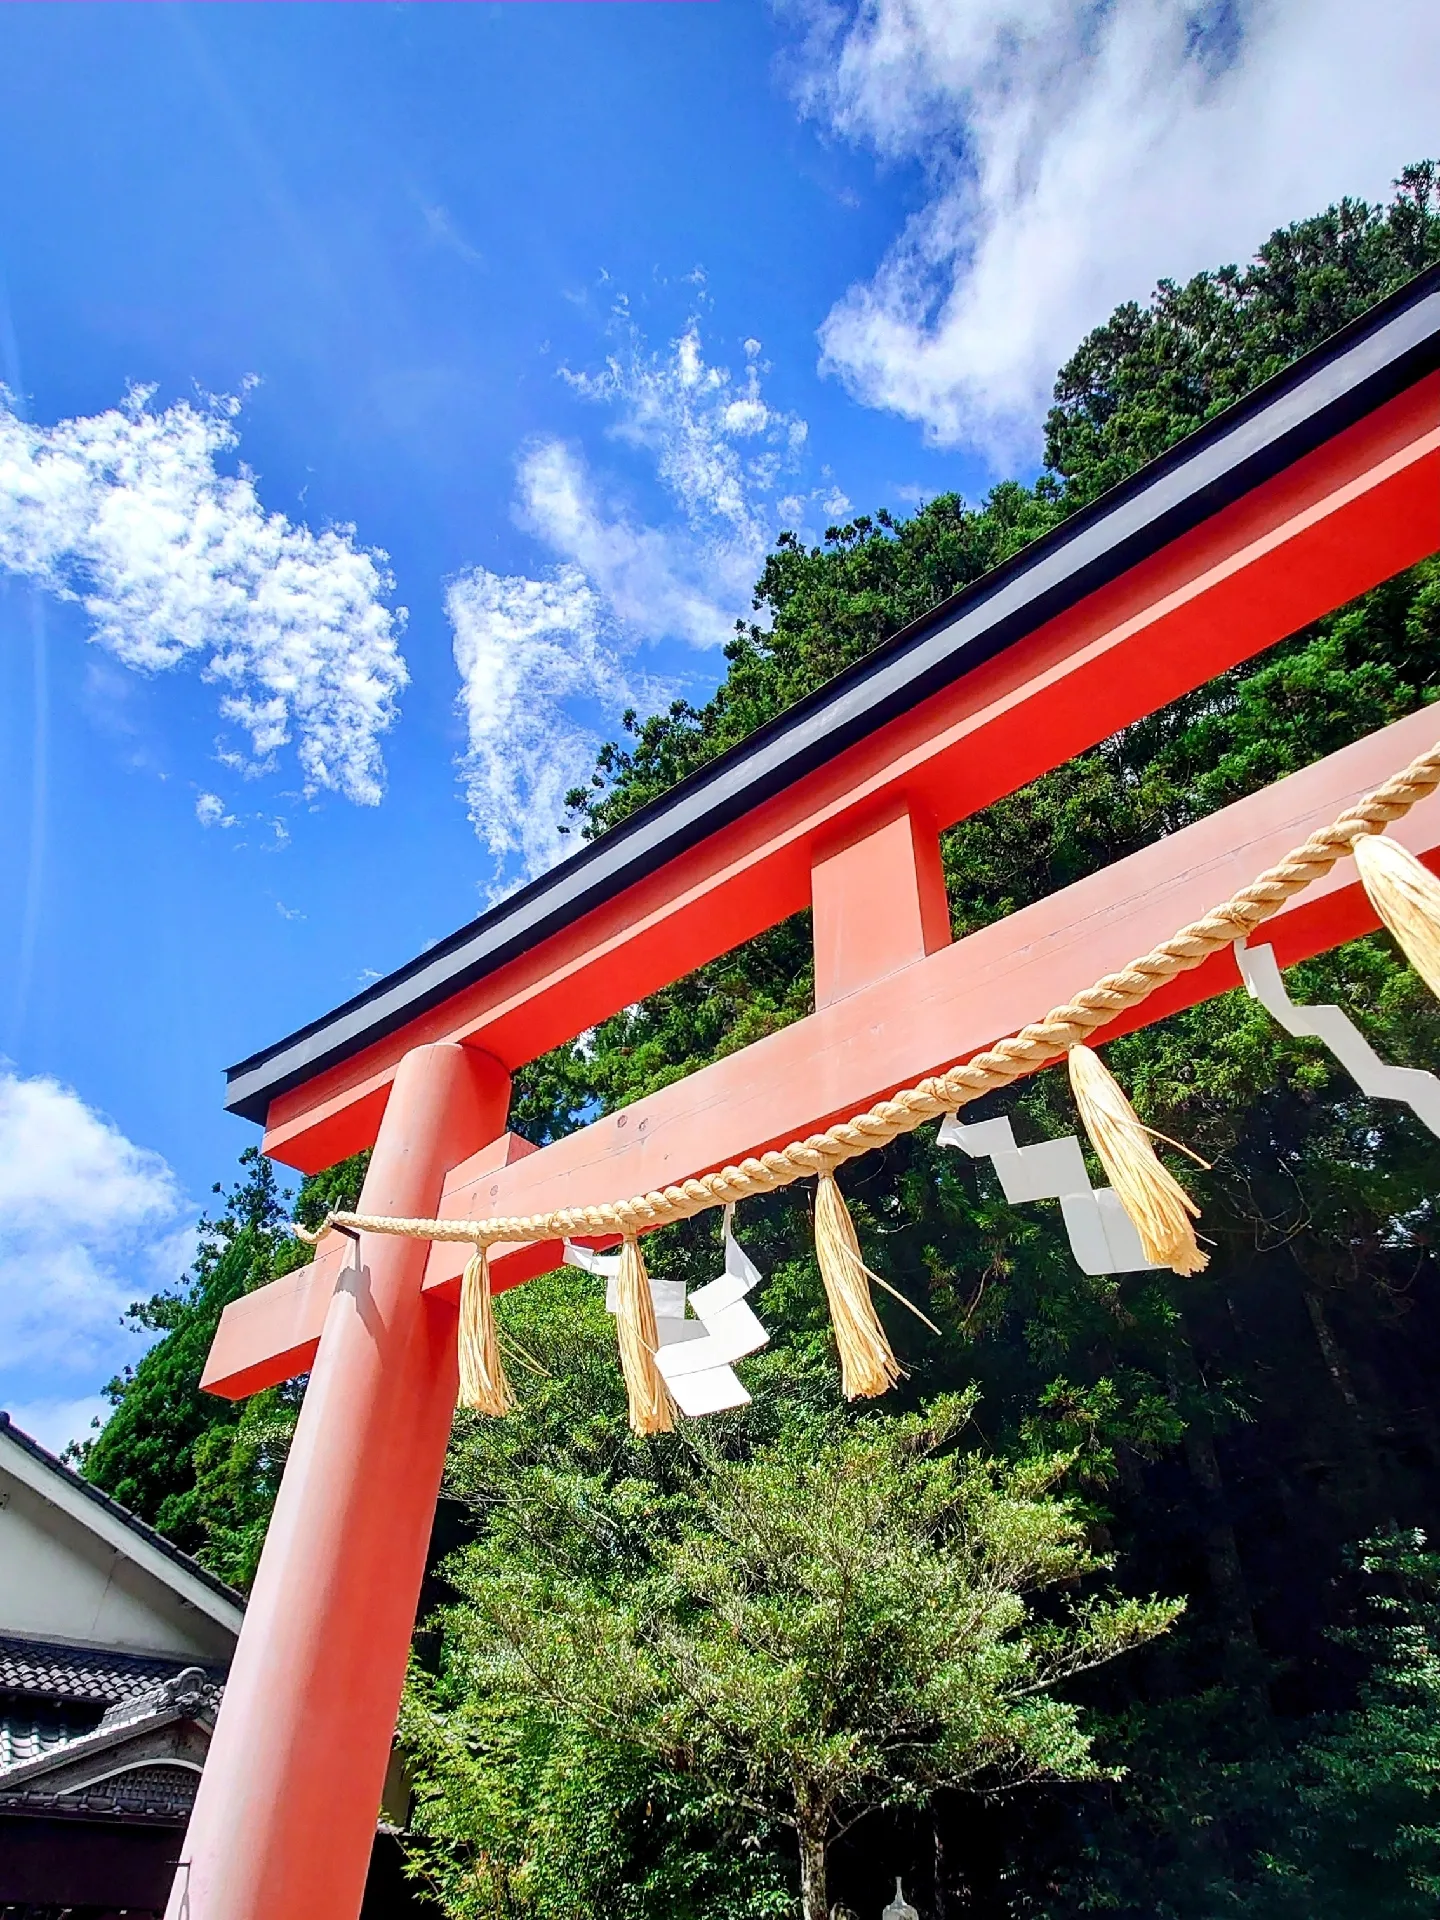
pixel 23 1738
pixel 40 1669
pixel 159 1806
pixel 33 1747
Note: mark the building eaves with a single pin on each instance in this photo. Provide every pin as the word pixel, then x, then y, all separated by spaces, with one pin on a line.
pixel 157 1541
pixel 163 1706
pixel 97 1808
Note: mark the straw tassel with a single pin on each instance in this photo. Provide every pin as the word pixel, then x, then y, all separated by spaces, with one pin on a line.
pixel 651 1408
pixel 1407 898
pixel 867 1364
pixel 483 1386
pixel 1156 1202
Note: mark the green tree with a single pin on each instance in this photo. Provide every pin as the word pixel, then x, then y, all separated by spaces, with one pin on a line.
pixel 1339 1814
pixel 1366 1784
pixel 204 1470
pixel 845 1619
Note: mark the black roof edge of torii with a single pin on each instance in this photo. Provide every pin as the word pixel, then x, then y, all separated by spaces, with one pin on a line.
pixel 1356 371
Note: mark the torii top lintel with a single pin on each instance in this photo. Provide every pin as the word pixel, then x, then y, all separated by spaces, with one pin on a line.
pixel 1318 486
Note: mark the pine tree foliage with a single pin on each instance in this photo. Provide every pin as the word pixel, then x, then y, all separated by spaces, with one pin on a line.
pixel 1366 1783
pixel 778 1637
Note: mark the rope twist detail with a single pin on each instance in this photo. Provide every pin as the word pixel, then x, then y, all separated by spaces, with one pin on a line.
pixel 998 1066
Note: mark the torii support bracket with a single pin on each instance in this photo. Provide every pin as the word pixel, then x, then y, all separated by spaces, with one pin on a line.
pixel 1321 485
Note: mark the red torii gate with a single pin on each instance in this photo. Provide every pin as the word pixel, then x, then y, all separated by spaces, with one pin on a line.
pixel 1319 486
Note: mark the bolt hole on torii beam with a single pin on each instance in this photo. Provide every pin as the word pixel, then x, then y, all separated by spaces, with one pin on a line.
pixel 1322 484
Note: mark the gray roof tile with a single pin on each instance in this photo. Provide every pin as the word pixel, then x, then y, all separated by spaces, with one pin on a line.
pixel 41 1669
pixel 23 1739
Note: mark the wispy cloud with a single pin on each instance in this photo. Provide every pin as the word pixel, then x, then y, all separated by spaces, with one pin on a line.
pixel 211 811
pixel 717 444
pixel 659 582
pixel 175 561
pixel 538 662
pixel 549 662
pixel 441 231
pixel 89 1222
pixel 1072 153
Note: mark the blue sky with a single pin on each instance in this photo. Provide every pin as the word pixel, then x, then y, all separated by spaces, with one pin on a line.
pixel 537 322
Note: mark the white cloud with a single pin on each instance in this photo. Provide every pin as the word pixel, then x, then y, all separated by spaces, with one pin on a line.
pixel 55 1423
pixel 718 450
pixel 659 583
pixel 89 1222
pixel 694 417
pixel 528 651
pixel 174 561
pixel 210 811
pixel 1073 153
pixel 548 663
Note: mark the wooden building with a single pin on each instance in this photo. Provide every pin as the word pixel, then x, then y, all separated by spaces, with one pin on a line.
pixel 114 1647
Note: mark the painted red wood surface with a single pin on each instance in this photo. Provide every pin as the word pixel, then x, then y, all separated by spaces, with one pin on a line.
pixel 878 902
pixel 886 1033
pixel 285 1815
pixel 1353 513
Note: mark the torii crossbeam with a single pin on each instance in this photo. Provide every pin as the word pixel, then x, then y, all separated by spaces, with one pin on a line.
pixel 1319 486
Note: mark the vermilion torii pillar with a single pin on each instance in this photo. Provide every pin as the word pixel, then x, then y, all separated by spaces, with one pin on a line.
pixel 285 1816
pixel 1315 489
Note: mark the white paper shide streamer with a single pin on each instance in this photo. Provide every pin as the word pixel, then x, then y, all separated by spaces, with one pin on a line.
pixel 695 1357
pixel 1102 1236
pixel 1414 1088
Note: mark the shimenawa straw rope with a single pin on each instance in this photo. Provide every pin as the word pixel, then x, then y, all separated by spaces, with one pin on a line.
pixel 651 1408
pixel 1151 1195
pixel 483 1385
pixel 998 1066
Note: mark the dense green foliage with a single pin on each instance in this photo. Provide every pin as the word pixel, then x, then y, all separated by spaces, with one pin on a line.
pixel 1366 1784
pixel 791 1634
pixel 202 1470
pixel 1227 1437
pixel 1337 1821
